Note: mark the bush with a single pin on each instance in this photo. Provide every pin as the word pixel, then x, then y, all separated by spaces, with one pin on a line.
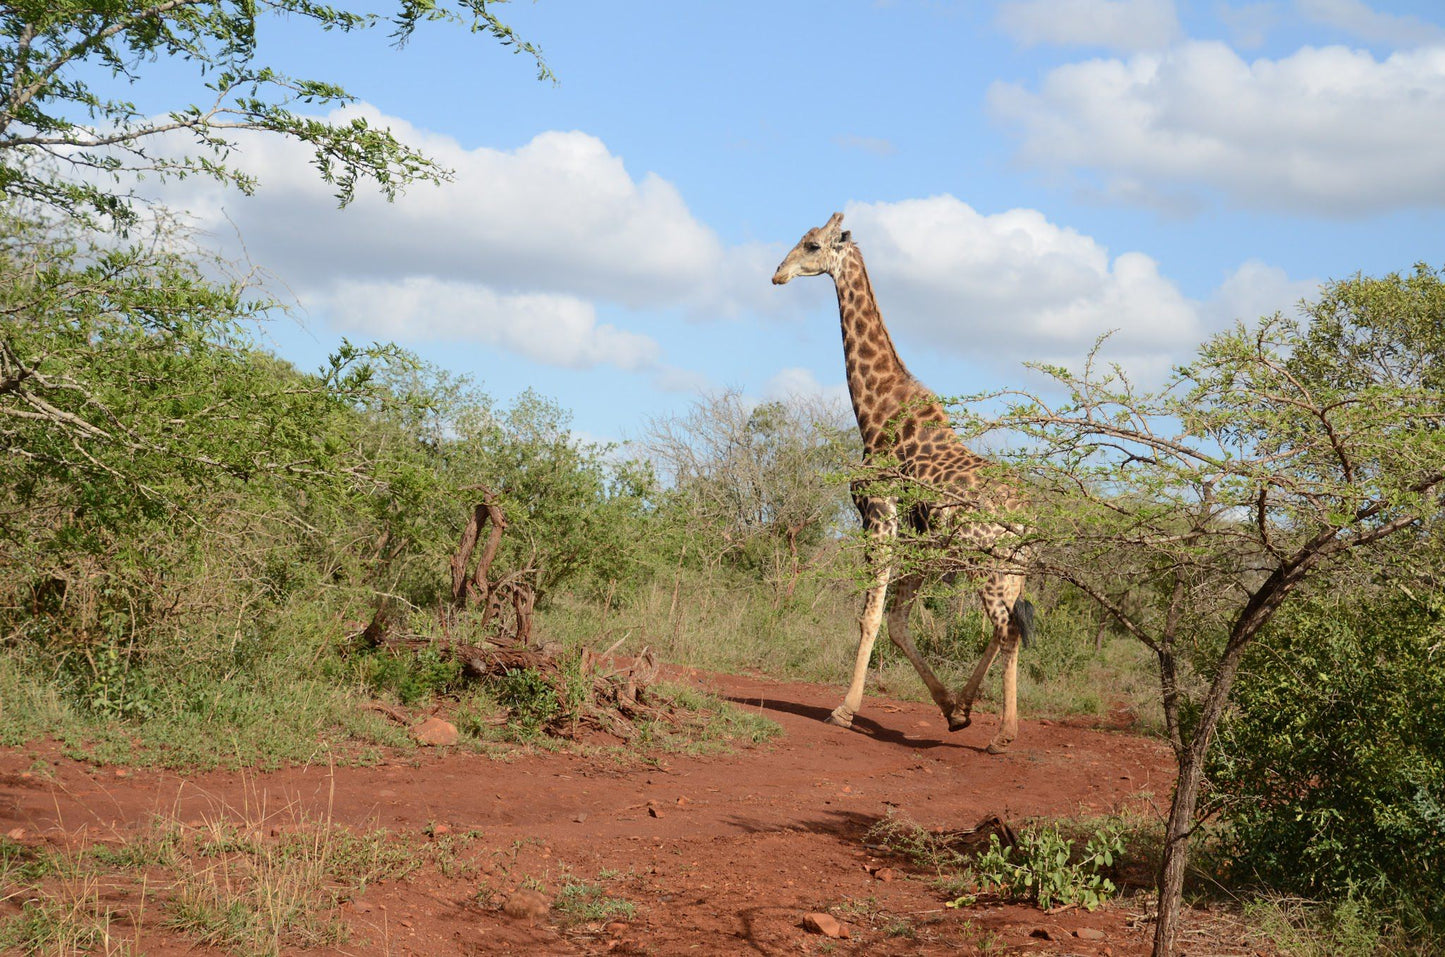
pixel 1332 767
pixel 1045 868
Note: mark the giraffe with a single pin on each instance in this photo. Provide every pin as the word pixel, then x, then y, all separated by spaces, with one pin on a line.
pixel 902 421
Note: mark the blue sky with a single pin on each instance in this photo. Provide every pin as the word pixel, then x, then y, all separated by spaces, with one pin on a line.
pixel 1021 176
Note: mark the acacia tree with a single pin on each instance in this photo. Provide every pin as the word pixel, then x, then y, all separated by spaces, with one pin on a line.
pixel 1283 453
pixel 68 143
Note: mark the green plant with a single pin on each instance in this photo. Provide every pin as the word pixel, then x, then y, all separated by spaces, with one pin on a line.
pixel 412 678
pixel 1349 927
pixel 532 700
pixel 579 902
pixel 1045 867
pixel 1329 773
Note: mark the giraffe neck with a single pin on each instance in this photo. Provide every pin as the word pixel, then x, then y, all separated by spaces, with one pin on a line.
pixel 878 382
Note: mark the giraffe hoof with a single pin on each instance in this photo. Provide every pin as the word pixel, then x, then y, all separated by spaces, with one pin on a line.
pixel 841 717
pixel 957 722
pixel 998 747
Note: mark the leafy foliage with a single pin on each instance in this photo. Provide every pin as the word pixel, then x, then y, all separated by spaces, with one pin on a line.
pixel 1044 867
pixel 1285 453
pixel 1331 768
pixel 68 146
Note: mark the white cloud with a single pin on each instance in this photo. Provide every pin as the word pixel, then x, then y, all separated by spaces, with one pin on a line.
pixel 1010 286
pixel 1323 131
pixel 1115 24
pixel 1253 290
pixel 560 213
pixel 795 382
pixel 552 329
pixel 1248 23
pixel 1373 26
pixel 530 237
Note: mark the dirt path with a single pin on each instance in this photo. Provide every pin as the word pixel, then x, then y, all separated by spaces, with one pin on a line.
pixel 719 854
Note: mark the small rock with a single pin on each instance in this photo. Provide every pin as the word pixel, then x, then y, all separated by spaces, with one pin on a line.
pixel 1042 933
pixel 1089 933
pixel 580 816
pixel 884 874
pixel 434 732
pixel 16 833
pixel 617 928
pixel 440 830
pixel 654 812
pixel 825 924
pixel 527 903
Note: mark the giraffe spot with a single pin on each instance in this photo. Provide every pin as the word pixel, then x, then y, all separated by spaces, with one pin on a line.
pixel 867 350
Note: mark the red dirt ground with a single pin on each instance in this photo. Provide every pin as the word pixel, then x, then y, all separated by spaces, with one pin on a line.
pixel 719 854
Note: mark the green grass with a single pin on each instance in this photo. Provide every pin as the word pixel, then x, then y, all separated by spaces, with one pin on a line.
pixel 1352 927
pixel 721 622
pixel 581 902
pixel 228 883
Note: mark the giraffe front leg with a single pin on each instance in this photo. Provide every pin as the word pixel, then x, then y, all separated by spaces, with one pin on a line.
pixel 868 623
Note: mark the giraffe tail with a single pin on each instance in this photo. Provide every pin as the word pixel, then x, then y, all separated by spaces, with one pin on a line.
pixel 1023 618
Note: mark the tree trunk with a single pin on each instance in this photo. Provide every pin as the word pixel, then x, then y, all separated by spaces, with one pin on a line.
pixel 1176 852
pixel 1191 775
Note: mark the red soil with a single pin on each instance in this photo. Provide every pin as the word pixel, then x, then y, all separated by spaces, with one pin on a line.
pixel 719 854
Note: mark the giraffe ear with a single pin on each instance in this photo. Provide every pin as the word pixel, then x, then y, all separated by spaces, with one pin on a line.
pixel 847 236
pixel 834 221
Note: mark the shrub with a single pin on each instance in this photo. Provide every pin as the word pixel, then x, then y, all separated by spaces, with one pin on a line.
pixel 1332 768
pixel 1043 867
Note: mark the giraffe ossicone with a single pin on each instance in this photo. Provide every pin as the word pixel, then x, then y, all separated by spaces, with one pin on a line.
pixel 902 422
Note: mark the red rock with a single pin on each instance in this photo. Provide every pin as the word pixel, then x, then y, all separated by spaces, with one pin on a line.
pixel 435 731
pixel 825 924
pixel 1089 933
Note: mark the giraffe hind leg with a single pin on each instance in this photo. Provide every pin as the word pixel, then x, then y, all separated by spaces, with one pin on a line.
pixel 1012 617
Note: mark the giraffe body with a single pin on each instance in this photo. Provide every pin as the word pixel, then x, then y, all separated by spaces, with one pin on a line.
pixel 901 421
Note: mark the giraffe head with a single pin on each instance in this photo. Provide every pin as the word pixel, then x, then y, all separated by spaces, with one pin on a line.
pixel 819 251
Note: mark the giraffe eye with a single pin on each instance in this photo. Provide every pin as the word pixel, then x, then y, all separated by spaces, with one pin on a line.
pixel 812 247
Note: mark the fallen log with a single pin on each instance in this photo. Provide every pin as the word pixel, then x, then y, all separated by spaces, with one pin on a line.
pixel 613 696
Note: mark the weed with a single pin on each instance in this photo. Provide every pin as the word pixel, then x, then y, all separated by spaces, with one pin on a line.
pixel 63 926
pixel 921 847
pixel 1044 867
pixel 901 927
pixel 580 902
pixel 1350 927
